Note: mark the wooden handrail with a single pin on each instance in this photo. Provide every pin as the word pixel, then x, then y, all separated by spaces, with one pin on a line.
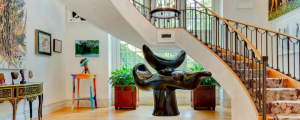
pixel 198 11
pixel 257 54
pixel 264 29
pixel 251 25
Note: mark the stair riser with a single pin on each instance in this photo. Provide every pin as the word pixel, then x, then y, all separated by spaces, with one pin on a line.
pixel 241 65
pixel 275 95
pixel 271 83
pixel 248 73
pixel 283 108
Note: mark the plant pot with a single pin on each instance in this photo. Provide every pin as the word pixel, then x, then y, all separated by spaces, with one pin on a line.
pixel 127 98
pixel 204 96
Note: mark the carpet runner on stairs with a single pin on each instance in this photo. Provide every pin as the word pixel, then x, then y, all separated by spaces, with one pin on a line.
pixel 282 103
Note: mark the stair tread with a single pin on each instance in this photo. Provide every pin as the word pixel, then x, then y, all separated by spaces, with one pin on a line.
pixel 266 78
pixel 285 115
pixel 284 101
pixel 282 89
pixel 279 88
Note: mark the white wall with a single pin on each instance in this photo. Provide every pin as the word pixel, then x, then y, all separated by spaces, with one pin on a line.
pixel 97 65
pixel 49 16
pixel 257 16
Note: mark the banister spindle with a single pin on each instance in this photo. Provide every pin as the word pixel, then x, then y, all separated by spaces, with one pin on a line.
pixel 264 60
pixel 206 27
pixel 196 20
pixel 288 54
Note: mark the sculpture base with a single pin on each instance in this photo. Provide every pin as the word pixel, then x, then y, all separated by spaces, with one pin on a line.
pixel 165 103
pixel 152 117
pixel 22 82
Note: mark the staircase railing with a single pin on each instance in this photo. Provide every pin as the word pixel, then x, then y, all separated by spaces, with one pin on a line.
pixel 281 48
pixel 228 42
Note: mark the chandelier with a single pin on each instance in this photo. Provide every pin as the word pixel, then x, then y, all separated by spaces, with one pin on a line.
pixel 165 9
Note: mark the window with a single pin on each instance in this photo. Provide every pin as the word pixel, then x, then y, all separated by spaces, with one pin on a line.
pixel 190 63
pixel 130 55
pixel 201 17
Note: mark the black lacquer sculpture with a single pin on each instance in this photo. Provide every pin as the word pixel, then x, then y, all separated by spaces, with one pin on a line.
pixel 165 81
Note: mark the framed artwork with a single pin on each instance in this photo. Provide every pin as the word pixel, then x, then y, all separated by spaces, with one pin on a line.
pixel 244 4
pixel 280 7
pixel 43 42
pixel 13 45
pixel 87 48
pixel 57 45
pixel 74 17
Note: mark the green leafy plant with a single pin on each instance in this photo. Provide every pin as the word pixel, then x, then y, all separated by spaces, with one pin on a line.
pixel 122 77
pixel 206 81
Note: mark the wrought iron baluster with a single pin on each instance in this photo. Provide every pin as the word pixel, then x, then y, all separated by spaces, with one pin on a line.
pixel 256 38
pixel 288 54
pixel 272 52
pixel 196 20
pixel 235 50
pixel 252 77
pixel 277 47
pixel 266 44
pixel 201 25
pixel 259 77
pixel 226 42
pixel 294 61
pixel 282 51
pixel 244 61
pixel 206 27
pixel 261 44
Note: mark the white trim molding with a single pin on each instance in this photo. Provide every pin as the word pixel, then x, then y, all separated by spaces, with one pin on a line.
pixel 86 103
pixel 46 110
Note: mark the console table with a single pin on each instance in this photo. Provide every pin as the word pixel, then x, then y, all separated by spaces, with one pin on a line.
pixel 14 93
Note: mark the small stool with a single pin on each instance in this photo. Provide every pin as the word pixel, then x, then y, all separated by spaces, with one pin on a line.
pixel 91 77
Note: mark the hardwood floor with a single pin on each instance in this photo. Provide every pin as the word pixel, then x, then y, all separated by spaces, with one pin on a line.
pixel 141 113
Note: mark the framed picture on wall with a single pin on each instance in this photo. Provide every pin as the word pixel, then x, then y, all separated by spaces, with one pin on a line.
pixel 57 45
pixel 277 8
pixel 87 48
pixel 43 40
pixel 74 17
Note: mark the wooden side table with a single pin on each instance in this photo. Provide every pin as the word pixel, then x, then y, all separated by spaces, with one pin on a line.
pixel 92 78
pixel 15 93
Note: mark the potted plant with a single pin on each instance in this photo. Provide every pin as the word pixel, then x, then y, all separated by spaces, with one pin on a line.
pixel 205 94
pixel 125 89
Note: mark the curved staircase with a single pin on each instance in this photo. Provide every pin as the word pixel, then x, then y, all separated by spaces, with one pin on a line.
pixel 283 101
pixel 230 54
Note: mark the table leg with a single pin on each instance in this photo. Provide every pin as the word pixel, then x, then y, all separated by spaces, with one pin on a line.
pixel 78 80
pixel 95 95
pixel 40 107
pixel 73 94
pixel 13 102
pixel 92 104
pixel 30 108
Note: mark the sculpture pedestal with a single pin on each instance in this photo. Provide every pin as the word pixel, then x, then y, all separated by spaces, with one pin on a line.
pixel 178 117
pixel 165 103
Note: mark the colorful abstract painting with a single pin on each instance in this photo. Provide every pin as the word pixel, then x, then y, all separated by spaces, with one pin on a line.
pixel 87 48
pixel 13 47
pixel 280 7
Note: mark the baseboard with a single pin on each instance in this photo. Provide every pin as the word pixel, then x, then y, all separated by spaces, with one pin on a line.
pixel 85 103
pixel 46 110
